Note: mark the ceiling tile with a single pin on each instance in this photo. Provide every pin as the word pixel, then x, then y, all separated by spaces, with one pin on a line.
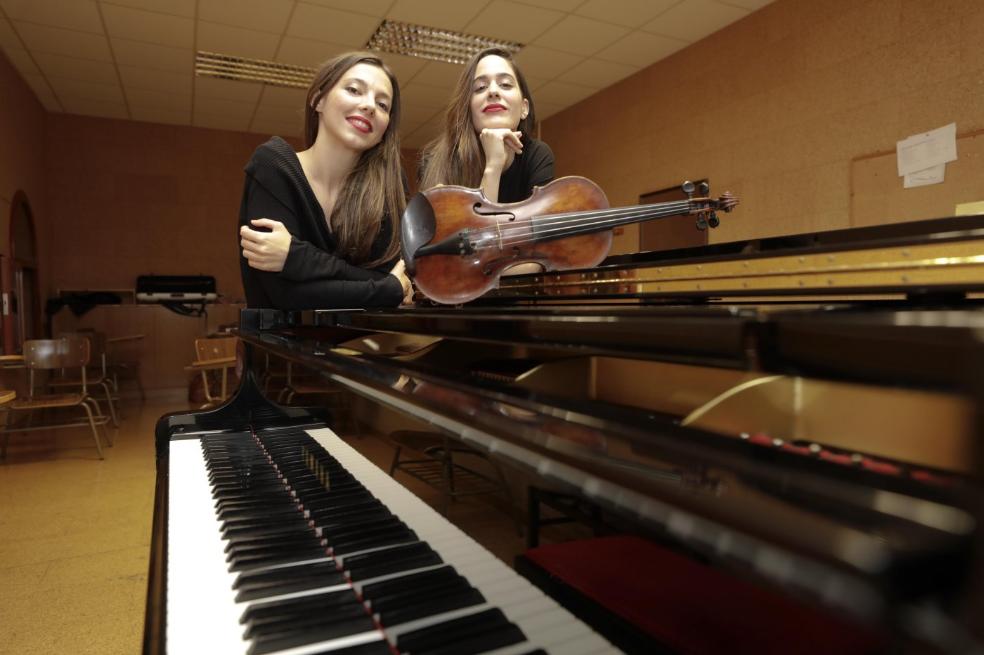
pixel 282 96
pixel 692 20
pixel 563 93
pixel 425 95
pixel 547 109
pixel 219 121
pixel 436 13
pixel 438 73
pixel 545 63
pixel 414 115
pixel 513 22
pixel 81 69
pixel 158 115
pixel 176 102
pixel 280 115
pixel 66 87
pixel 331 25
pixel 157 57
pixel 597 73
pixel 370 7
pixel 641 49
pixel 581 36
pixel 630 13
pixel 231 90
pixel 305 52
pixel 79 15
pixel 155 80
pixel 8 37
pixel 402 66
pixel 228 40
pixel 43 92
pixel 22 61
pixel 41 38
pixel 90 107
pixel 534 82
pixel 150 27
pixel 220 107
pixel 184 8
pixel 260 15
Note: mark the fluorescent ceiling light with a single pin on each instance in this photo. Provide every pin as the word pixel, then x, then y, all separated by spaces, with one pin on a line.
pixel 432 43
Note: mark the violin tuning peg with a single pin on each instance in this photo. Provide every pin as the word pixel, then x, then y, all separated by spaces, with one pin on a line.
pixel 704 188
pixel 701 222
pixel 687 187
pixel 712 220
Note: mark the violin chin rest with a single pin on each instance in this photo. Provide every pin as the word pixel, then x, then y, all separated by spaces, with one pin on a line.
pixel 417 229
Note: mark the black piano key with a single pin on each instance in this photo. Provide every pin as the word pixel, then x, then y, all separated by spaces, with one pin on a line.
pixel 299 525
pixel 409 582
pixel 397 613
pixel 272 609
pixel 477 643
pixel 287 583
pixel 423 592
pixel 384 563
pixel 260 560
pixel 380 647
pixel 326 566
pixel 322 632
pixel 306 620
pixel 354 544
pixel 252 546
pixel 483 626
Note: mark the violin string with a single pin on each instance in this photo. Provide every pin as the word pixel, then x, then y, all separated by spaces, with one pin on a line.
pixel 592 215
pixel 573 228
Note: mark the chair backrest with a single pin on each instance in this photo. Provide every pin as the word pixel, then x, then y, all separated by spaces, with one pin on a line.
pixel 97 344
pixel 50 354
pixel 215 348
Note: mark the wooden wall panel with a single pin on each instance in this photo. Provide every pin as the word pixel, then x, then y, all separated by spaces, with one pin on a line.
pixel 777 106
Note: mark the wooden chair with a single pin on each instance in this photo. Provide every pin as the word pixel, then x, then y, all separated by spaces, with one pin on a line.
pixel 50 355
pixel 96 375
pixel 215 354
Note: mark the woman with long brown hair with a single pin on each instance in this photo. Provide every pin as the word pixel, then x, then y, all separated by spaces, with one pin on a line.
pixel 319 227
pixel 487 140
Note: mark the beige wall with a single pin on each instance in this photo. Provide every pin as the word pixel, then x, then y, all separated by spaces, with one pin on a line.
pixel 22 126
pixel 777 106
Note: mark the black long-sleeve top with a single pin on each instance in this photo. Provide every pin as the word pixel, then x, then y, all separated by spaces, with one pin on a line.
pixel 313 276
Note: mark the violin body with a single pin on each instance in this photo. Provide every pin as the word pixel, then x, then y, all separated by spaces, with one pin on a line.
pixel 456 243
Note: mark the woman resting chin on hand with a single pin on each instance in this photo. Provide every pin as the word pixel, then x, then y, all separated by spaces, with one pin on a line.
pixel 487 142
pixel 318 228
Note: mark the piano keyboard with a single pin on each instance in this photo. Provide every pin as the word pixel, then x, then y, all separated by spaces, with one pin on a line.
pixel 292 543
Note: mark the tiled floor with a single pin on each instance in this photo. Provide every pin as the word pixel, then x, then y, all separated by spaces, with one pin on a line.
pixel 75 535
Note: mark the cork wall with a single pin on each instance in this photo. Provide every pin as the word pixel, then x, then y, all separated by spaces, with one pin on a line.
pixel 779 106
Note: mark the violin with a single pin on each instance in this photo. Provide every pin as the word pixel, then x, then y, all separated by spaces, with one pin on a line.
pixel 456 243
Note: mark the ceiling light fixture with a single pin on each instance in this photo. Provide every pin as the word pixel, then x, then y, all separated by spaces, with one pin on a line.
pixel 432 43
pixel 227 67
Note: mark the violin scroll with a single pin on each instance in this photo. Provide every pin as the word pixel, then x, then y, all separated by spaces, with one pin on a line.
pixel 705 207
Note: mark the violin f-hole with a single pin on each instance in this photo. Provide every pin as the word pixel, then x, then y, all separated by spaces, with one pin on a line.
pixel 479 206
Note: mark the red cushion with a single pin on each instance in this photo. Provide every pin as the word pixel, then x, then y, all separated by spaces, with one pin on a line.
pixel 693 608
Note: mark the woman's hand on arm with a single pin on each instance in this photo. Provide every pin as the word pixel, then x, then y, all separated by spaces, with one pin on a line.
pixel 265 251
pixel 399 271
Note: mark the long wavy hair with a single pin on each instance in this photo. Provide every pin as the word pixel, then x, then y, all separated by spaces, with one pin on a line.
pixel 374 188
pixel 456 155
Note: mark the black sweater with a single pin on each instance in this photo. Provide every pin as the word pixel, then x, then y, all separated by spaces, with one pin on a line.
pixel 535 167
pixel 313 277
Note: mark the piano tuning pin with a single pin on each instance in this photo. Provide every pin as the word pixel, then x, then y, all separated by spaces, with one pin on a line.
pixel 704 188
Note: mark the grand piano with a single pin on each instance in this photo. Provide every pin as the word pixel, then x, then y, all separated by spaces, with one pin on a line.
pixel 803 412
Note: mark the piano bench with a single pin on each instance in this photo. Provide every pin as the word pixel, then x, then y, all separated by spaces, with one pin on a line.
pixel 645 598
pixel 440 467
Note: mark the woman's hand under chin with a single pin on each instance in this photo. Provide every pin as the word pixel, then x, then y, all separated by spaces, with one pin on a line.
pixel 500 146
pixel 265 250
